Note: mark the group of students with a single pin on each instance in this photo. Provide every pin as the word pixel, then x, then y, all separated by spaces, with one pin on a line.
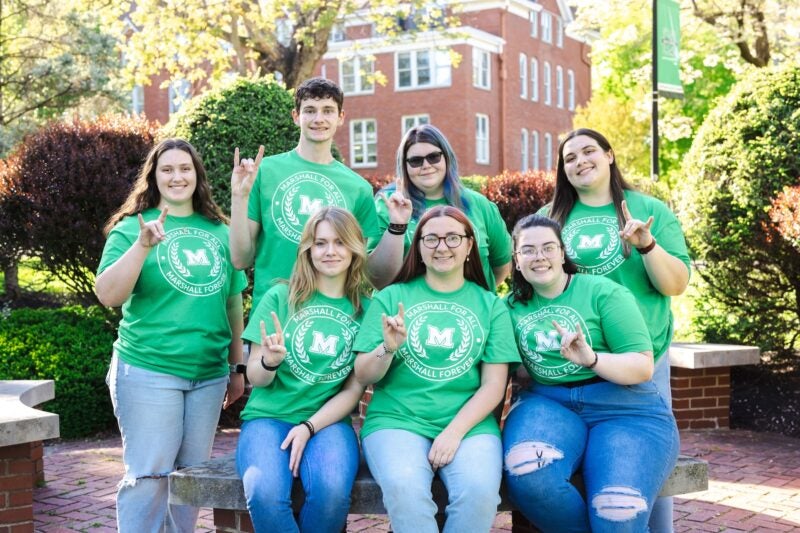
pixel 435 341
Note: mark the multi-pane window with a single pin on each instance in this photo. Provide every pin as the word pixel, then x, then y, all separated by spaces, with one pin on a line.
pixel 523 76
pixel 179 93
pixel 481 69
pixel 481 138
pixel 559 87
pixel 535 150
pixel 137 100
pixel 534 79
pixel 410 121
pixel 523 152
pixel 363 143
pixel 356 75
pixel 559 32
pixel 337 34
pixel 533 16
pixel 422 68
pixel 548 151
pixel 547 83
pixel 571 89
pixel 547 27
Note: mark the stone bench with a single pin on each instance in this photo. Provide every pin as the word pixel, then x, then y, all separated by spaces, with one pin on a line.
pixel 215 484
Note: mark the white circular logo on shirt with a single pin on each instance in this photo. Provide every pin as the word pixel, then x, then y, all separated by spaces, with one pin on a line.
pixel 193 261
pixel 300 196
pixel 444 339
pixel 319 343
pixel 537 335
pixel 594 244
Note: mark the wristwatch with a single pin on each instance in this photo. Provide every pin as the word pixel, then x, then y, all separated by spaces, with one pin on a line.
pixel 237 368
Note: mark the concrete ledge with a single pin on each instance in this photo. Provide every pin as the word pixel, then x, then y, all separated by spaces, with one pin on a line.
pixel 700 355
pixel 215 484
pixel 19 422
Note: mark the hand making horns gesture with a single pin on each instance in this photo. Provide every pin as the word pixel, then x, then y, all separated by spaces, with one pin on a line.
pixel 400 207
pixel 152 233
pixel 394 329
pixel 636 232
pixel 574 346
pixel 274 347
pixel 244 172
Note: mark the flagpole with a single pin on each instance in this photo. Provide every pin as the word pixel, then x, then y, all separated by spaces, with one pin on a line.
pixel 654 118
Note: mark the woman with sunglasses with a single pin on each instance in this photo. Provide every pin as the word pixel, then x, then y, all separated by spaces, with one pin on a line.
pixel 427 176
pixel 591 405
pixel 436 345
pixel 612 230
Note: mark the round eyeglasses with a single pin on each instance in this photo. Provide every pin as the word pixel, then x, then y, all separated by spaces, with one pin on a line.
pixel 549 250
pixel 416 161
pixel 451 240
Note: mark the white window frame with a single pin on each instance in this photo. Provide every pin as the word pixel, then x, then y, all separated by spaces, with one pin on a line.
pixel 570 90
pixel 548 151
pixel 523 76
pixel 535 150
pixel 533 17
pixel 534 79
pixel 416 120
pixel 338 33
pixel 547 27
pixel 362 68
pixel 364 143
pixel 482 154
pixel 439 65
pixel 559 87
pixel 481 69
pixel 547 83
pixel 559 32
pixel 137 100
pixel 523 153
pixel 179 93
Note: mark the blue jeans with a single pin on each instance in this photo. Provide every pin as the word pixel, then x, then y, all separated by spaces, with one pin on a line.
pixel 623 438
pixel 166 423
pixel 398 460
pixel 327 470
pixel 661 517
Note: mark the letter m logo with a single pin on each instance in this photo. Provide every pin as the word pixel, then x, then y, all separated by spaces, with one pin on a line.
pixel 590 243
pixel 309 206
pixel 197 258
pixel 324 345
pixel 547 341
pixel 441 338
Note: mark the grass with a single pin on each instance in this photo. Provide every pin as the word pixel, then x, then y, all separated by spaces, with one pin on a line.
pixel 34 278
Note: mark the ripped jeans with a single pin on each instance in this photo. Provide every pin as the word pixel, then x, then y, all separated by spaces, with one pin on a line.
pixel 166 422
pixel 623 438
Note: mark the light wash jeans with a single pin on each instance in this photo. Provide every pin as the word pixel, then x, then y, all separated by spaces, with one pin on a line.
pixel 623 438
pixel 327 470
pixel 398 460
pixel 661 517
pixel 166 423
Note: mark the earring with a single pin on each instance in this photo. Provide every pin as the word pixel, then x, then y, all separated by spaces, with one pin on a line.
pixel 467 259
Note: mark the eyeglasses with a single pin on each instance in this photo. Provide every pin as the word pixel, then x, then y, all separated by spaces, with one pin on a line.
pixel 451 240
pixel 549 250
pixel 416 161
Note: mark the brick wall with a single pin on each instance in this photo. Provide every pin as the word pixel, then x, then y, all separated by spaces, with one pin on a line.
pixel 21 467
pixel 701 397
pixel 227 520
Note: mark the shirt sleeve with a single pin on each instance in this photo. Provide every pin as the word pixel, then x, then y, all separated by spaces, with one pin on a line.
pixel 370 334
pixel 254 200
pixel 624 328
pixel 667 231
pixel 499 239
pixel 500 344
pixel 382 214
pixel 274 300
pixel 119 241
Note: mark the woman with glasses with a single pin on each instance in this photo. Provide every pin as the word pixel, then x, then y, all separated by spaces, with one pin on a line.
pixel 631 238
pixel 427 176
pixel 436 345
pixel 591 405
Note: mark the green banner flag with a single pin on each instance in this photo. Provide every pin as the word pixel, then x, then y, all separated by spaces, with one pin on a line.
pixel 669 43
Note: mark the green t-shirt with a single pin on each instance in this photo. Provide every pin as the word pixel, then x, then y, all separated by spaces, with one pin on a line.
pixel 286 192
pixel 175 321
pixel 606 312
pixel 592 241
pixel 438 369
pixel 319 354
pixel 493 240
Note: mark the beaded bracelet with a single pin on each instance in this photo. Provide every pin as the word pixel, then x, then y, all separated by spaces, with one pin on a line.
pixel 309 426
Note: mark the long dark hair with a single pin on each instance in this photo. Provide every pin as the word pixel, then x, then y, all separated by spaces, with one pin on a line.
pixel 413 265
pixel 453 188
pixel 565 195
pixel 521 290
pixel 144 193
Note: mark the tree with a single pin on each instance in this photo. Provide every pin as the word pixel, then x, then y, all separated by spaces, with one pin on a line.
pixel 202 41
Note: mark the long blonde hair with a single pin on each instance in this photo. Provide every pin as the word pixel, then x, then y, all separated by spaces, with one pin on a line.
pixel 303 281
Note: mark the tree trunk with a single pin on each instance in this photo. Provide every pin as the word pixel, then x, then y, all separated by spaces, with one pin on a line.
pixel 11 284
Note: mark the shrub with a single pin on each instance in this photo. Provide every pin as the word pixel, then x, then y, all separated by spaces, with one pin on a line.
pixel 785 215
pixel 72 346
pixel 743 156
pixel 60 186
pixel 519 193
pixel 247 113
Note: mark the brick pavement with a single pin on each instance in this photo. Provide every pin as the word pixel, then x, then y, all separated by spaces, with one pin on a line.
pixel 754 485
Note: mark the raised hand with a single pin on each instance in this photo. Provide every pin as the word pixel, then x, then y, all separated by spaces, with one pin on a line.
pixel 394 329
pixel 574 346
pixel 244 172
pixel 152 233
pixel 273 344
pixel 400 207
pixel 636 232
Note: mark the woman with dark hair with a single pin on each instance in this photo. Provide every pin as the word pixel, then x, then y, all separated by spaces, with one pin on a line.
pixel 296 420
pixel 427 176
pixel 631 238
pixel 591 405
pixel 167 263
pixel 436 345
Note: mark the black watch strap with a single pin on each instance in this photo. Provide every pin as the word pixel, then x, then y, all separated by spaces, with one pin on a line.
pixel 237 368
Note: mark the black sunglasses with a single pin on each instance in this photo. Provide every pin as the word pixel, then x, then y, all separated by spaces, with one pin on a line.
pixel 416 161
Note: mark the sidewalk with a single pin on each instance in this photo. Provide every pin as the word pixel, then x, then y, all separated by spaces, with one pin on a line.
pixel 754 485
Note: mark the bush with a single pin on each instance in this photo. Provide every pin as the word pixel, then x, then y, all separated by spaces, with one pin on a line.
pixel 785 215
pixel 247 113
pixel 742 158
pixel 519 193
pixel 60 186
pixel 72 346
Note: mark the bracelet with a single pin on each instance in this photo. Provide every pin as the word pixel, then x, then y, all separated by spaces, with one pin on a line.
pixel 397 229
pixel 647 249
pixel 237 368
pixel 269 368
pixel 309 426
pixel 385 351
pixel 594 364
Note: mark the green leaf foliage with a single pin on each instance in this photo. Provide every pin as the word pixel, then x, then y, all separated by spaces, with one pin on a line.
pixel 72 346
pixel 744 156
pixel 245 114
